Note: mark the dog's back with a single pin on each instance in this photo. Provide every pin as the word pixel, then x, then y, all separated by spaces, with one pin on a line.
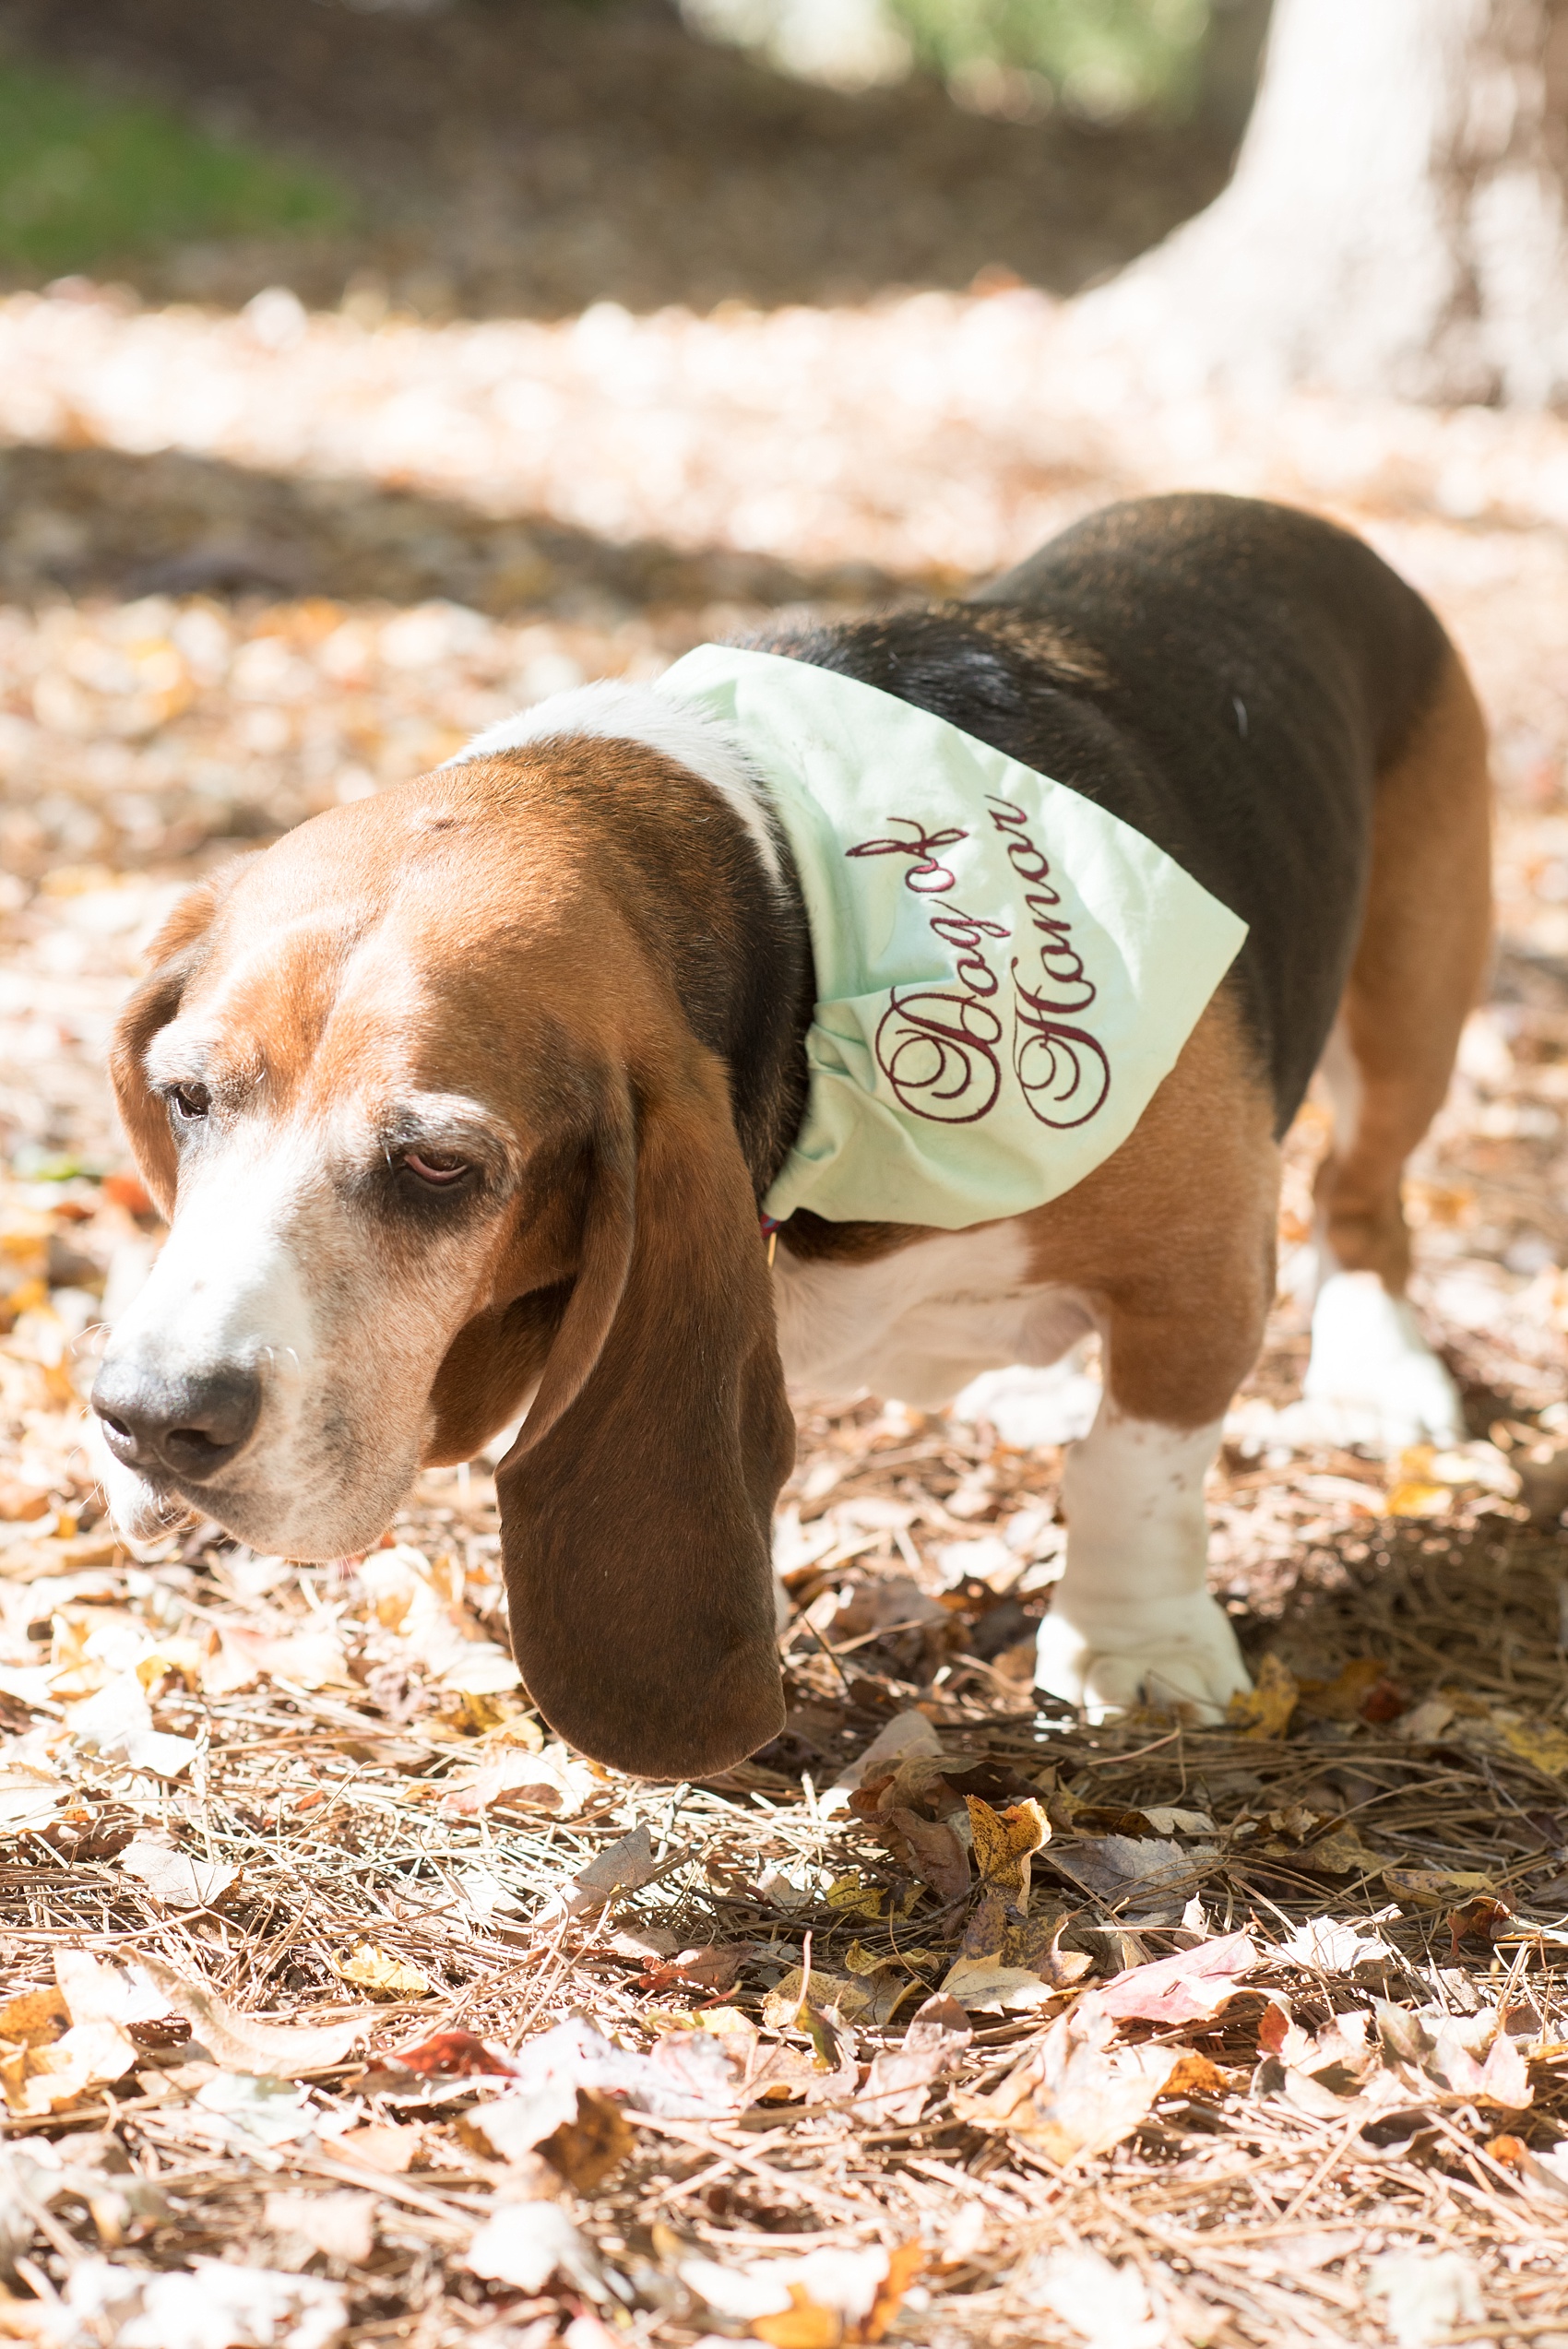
pixel 1227 676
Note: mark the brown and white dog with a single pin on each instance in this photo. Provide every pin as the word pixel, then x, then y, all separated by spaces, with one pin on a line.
pixel 462 1099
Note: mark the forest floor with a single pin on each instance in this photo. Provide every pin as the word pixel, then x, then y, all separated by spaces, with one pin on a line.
pixel 341 2002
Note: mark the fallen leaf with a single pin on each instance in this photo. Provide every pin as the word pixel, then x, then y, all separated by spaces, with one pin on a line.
pixel 1428 2294
pixel 1265 1709
pixel 814 2301
pixel 1147 1880
pixel 249 2109
pixel 625 1867
pixel 1342 1698
pixel 52 2078
pixel 713 1969
pixel 1339 1853
pixel 1545 1749
pixel 851 1893
pixel 1105 2305
pixel 1505 2078
pixel 1479 1920
pixel 117 1725
pixel 904 2263
pixel 1074 2093
pixel 33 2018
pixel 783 2002
pixel 511 2128
pixel 1188 1987
pixel 1003 1842
pixel 689 2075
pixel 371 1968
pixel 240 2041
pixel 453 2053
pixel 906 1732
pixel 176 1878
pixel 928 1849
pixel 1543 2173
pixel 386 2144
pixel 1428 1887
pixel 553 1780
pixel 804 2325
pixel 1009 1961
pixel 1194 2075
pixel 342 2226
pixel 1165 1821
pixel 214 2302
pixel 586 2149
pixel 1332 1948
pixel 96 1991
pixel 526 2243
pixel 304 1659
pixel 895 2091
pixel 1426 1721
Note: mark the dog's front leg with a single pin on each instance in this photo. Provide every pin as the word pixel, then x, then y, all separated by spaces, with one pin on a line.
pixel 1132 1617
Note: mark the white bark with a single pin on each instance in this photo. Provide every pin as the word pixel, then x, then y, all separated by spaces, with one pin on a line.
pixel 1398 219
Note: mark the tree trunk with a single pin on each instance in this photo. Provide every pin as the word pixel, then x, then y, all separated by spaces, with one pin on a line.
pixel 1398 219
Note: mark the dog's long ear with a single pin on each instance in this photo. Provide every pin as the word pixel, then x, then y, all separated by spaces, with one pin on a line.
pixel 636 1504
pixel 173 956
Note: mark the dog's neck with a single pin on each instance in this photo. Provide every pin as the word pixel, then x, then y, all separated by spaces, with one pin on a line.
pixel 759 1026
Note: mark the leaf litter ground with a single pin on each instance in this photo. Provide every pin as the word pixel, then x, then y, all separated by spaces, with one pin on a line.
pixel 342 2003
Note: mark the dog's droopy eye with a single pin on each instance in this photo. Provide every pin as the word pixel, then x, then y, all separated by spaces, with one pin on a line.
pixel 440 1169
pixel 190 1102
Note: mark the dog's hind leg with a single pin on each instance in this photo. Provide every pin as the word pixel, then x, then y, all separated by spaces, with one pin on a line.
pixel 1373 1378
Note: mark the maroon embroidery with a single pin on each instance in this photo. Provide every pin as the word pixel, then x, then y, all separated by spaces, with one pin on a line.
pixel 937 1046
pixel 1059 1066
pixel 927 878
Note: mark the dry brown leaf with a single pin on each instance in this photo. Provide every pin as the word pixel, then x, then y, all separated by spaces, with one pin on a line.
pixel 783 2002
pixel 1194 2075
pixel 895 2085
pixel 1544 1748
pixel 1340 1853
pixel 1146 1878
pixel 904 2263
pixel 1074 2093
pixel 1007 1960
pixel 371 1968
pixel 1003 1842
pixel 240 2041
pixel 930 1850
pixel 803 2325
pixel 1265 1709
pixel 1430 1886
pixel 33 2018
pixel 585 2151
pixel 1342 1698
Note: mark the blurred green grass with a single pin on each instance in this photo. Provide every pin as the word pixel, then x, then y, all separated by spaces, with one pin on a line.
pixel 1106 58
pixel 85 177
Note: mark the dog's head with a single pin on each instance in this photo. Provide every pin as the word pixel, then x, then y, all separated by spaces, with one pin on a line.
pixel 418 1092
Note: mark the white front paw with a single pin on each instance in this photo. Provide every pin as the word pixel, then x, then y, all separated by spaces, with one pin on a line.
pixel 1170 1651
pixel 1373 1378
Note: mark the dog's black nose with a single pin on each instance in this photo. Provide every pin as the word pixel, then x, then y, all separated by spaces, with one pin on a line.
pixel 193 1426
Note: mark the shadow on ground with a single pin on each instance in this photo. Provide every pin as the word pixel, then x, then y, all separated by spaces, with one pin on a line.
pixel 530 157
pixel 96 521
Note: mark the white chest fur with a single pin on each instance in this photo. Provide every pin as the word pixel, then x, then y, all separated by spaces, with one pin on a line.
pixel 918 1325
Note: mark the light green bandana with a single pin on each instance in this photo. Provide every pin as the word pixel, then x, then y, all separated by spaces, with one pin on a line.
pixel 1005 972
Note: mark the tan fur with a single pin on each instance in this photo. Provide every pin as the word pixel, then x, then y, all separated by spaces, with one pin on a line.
pixel 1417 974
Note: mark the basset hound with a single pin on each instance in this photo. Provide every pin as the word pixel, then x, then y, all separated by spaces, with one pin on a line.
pixel 485 1094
